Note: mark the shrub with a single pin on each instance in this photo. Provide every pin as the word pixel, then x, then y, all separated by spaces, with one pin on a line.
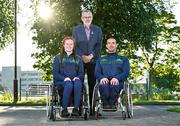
pixel 6 97
pixel 161 93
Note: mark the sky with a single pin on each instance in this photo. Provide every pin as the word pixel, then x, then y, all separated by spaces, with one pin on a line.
pixel 24 41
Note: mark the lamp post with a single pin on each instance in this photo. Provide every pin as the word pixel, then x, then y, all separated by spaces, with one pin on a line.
pixel 15 82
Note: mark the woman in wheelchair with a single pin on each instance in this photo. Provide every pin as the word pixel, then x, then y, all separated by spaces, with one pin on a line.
pixel 111 71
pixel 67 74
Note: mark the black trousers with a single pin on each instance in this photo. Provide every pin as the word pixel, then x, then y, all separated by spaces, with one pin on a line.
pixel 90 68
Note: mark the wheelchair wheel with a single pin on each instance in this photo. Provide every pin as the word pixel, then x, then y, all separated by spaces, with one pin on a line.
pixel 123 115
pixel 52 115
pixel 95 100
pixel 97 114
pixel 129 105
pixel 86 114
pixel 48 113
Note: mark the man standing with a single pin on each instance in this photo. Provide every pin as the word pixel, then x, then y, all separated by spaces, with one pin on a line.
pixel 88 45
pixel 111 71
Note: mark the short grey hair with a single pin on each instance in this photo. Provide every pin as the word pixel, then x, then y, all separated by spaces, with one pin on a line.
pixel 85 11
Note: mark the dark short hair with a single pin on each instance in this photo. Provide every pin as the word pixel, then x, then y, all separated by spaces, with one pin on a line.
pixel 111 38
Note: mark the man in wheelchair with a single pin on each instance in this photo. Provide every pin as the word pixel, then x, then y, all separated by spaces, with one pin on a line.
pixel 111 71
pixel 67 74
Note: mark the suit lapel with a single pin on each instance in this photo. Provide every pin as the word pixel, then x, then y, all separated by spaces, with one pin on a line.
pixel 83 32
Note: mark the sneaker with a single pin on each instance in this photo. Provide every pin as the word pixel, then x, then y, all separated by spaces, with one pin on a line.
pixel 92 114
pixel 99 114
pixel 65 113
pixel 75 112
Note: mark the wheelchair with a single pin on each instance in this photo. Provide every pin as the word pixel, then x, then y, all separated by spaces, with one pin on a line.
pixel 123 103
pixel 54 102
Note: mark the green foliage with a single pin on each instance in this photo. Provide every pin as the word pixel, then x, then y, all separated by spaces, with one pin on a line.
pixel 139 97
pixel 166 77
pixel 6 22
pixel 175 109
pixel 136 24
pixel 41 100
pixel 157 102
pixel 158 94
pixel 50 32
pixel 6 97
pixel 132 23
pixel 136 69
pixel 161 93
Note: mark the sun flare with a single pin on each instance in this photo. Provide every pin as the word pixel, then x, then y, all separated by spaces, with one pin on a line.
pixel 44 10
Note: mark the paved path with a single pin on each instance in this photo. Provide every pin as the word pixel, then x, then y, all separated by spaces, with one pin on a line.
pixel 147 115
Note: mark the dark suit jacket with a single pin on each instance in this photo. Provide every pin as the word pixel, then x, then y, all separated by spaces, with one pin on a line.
pixel 85 46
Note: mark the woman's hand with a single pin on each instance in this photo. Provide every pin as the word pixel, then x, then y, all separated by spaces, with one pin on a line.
pixel 67 79
pixel 76 78
pixel 114 81
pixel 104 81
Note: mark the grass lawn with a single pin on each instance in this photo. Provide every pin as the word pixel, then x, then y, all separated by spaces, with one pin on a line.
pixel 149 101
pixel 175 109
pixel 25 101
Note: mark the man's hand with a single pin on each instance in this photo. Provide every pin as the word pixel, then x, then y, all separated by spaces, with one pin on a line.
pixel 87 59
pixel 114 81
pixel 67 79
pixel 91 57
pixel 104 81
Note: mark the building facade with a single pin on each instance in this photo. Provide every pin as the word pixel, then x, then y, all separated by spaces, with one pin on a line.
pixel 25 79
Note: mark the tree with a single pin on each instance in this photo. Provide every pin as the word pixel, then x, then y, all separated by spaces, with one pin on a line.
pixel 131 22
pixel 164 49
pixel 166 72
pixel 166 76
pixel 50 32
pixel 6 22
pixel 123 19
pixel 138 25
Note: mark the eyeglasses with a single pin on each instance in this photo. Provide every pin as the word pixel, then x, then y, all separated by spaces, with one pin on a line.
pixel 88 17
